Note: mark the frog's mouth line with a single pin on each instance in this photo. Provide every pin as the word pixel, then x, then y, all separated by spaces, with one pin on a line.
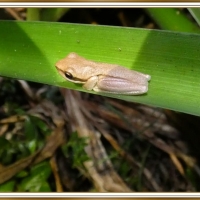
pixel 74 80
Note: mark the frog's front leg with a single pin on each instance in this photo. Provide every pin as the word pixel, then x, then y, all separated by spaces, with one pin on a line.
pixel 91 83
pixel 120 86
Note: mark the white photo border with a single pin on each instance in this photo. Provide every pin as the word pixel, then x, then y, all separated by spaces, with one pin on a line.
pixel 102 195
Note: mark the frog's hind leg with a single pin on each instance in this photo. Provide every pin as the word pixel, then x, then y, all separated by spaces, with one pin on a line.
pixel 120 86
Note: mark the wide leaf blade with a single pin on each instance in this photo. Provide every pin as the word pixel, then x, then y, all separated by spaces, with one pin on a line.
pixel 29 50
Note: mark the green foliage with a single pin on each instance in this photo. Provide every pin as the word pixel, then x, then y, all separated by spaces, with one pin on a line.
pixel 172 19
pixel 74 149
pixel 45 14
pixel 8 186
pixel 195 12
pixel 37 180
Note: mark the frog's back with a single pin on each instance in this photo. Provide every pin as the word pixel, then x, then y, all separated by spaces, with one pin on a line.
pixel 122 72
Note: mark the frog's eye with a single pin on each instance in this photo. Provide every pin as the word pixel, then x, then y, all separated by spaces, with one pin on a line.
pixel 69 75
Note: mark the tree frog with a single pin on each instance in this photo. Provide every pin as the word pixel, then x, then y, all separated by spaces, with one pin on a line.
pixel 102 77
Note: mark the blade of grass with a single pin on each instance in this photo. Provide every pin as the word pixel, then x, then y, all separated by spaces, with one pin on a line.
pixel 172 19
pixel 171 58
pixel 52 14
pixel 195 12
pixel 33 14
pixel 45 14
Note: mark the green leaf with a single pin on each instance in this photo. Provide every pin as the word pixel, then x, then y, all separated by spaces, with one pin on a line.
pixel 172 19
pixel 75 149
pixel 37 180
pixel 8 186
pixel 30 129
pixel 42 170
pixel 45 14
pixel 33 14
pixel 29 50
pixel 4 144
pixel 32 145
pixel 52 14
pixel 195 12
pixel 21 174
